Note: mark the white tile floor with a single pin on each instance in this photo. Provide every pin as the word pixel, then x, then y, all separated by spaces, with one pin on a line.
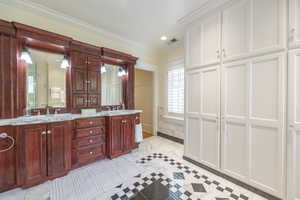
pixel 98 181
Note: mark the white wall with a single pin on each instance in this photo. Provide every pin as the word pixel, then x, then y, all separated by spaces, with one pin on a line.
pixel 166 124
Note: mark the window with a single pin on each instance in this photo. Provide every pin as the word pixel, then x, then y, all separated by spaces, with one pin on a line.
pixel 176 91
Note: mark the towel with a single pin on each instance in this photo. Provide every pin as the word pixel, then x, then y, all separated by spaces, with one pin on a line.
pixel 138 133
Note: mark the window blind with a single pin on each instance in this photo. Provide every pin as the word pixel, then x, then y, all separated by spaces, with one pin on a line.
pixel 176 91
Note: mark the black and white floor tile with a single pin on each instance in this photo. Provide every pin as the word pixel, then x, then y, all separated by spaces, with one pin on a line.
pixel 156 171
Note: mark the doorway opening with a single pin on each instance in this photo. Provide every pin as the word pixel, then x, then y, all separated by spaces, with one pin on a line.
pixel 144 93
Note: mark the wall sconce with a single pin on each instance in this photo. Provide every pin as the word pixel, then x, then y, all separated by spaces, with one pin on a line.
pixel 65 63
pixel 121 72
pixel 25 55
pixel 103 69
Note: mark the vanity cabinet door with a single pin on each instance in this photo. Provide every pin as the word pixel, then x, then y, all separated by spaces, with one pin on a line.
pixel 115 137
pixel 79 83
pixel 94 100
pixel 94 82
pixel 34 154
pixel 8 167
pixel 128 133
pixel 79 100
pixel 79 60
pixel 94 63
pixel 59 148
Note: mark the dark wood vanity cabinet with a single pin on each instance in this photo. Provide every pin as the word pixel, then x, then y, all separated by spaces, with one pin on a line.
pixel 86 80
pixel 121 135
pixel 45 152
pixel 8 160
pixel 89 141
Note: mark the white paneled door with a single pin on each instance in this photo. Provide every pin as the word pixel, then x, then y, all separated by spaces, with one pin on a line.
pixel 203 115
pixel 267 123
pixel 268 25
pixel 210 116
pixel 192 114
pixel 211 40
pixel 253 107
pixel 193 46
pixel 294 23
pixel 294 127
pixel 236 30
pixel 235 137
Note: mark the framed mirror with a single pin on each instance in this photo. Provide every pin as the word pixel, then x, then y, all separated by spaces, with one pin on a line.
pixel 112 85
pixel 45 80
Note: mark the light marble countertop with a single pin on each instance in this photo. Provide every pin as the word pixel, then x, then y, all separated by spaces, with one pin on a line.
pixel 39 119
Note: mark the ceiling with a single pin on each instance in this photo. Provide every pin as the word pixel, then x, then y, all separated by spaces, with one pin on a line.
pixel 141 21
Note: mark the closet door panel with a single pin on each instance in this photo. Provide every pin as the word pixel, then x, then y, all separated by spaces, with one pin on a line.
pixel 194 44
pixel 210 142
pixel 236 30
pixel 266 121
pixel 211 38
pixel 192 115
pixel 294 127
pixel 268 19
pixel 234 119
pixel 294 21
pixel 209 116
pixel 210 92
pixel 265 83
pixel 193 139
pixel 235 151
pixel 193 92
pixel 265 159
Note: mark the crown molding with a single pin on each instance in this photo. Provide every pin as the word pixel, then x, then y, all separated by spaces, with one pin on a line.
pixel 47 12
pixel 207 7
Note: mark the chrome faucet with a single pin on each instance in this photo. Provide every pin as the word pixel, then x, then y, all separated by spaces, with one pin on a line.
pixel 48 110
pixel 26 112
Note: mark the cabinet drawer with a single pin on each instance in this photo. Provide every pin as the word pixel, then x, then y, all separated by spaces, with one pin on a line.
pixel 90 131
pixel 91 122
pixel 86 154
pixel 85 141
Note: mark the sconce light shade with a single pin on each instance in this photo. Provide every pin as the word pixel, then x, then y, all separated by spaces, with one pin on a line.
pixel 103 69
pixel 121 72
pixel 25 55
pixel 65 63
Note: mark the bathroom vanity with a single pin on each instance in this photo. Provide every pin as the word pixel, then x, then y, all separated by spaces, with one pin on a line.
pixel 63 104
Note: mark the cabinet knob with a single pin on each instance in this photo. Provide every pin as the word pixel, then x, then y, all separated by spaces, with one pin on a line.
pixel 218 53
pixel 91 153
pixel 91 132
pixel 49 132
pixel 224 52
pixel 43 132
pixel 90 122
pixel 91 141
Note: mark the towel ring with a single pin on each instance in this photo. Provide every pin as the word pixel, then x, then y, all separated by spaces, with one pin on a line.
pixel 4 136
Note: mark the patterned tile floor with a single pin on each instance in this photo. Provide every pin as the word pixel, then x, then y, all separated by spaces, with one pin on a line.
pixel 156 171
